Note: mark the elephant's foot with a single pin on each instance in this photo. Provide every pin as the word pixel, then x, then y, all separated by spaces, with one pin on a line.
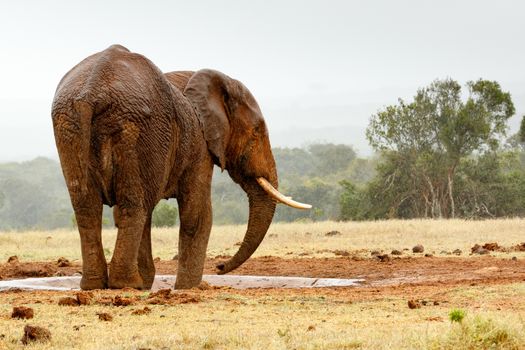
pixel 89 283
pixel 148 275
pixel 94 278
pixel 187 282
pixel 119 278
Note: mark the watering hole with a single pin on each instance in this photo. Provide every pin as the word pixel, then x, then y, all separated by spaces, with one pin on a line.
pixel 167 281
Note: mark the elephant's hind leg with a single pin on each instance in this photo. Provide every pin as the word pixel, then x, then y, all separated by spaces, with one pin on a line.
pixel 88 214
pixel 145 259
pixel 131 215
pixel 123 269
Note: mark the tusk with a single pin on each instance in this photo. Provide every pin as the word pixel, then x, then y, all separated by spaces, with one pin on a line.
pixel 278 196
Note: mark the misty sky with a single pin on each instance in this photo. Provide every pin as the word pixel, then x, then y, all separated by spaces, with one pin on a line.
pixel 318 69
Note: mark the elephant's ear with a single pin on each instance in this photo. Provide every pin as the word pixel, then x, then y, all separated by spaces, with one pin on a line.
pixel 207 90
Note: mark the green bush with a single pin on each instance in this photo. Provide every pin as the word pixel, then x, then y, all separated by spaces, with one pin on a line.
pixel 164 215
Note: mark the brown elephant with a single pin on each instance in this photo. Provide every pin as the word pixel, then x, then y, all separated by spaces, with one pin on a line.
pixel 128 136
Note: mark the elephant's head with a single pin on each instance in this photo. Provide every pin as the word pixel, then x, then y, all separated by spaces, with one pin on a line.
pixel 238 140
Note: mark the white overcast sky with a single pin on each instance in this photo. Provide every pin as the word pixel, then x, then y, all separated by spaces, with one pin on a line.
pixel 319 69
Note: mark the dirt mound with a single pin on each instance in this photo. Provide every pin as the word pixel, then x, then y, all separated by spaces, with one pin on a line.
pixel 35 333
pixel 170 297
pixel 519 247
pixel 122 301
pixel 84 298
pixel 477 249
pixel 81 298
pixel 16 269
pixel 22 312
pixel 414 304
pixel 68 301
pixel 493 247
pixel 63 262
pixel 146 310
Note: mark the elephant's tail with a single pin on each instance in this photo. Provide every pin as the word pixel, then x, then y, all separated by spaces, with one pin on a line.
pixel 83 112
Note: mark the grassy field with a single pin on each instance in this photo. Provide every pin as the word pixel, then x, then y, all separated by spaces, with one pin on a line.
pixel 335 318
pixel 290 239
pixel 289 320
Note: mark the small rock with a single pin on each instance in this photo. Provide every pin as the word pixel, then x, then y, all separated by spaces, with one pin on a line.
pixel 457 252
pixel 12 259
pixel 238 243
pixel 104 316
pixel 35 333
pixel 428 255
pixel 514 258
pixel 414 304
pixel 308 233
pixel 311 328
pixel 375 253
pixel 436 302
pixel 175 257
pixel 273 235
pixel 396 252
pixel 418 249
pixel 22 312
pixel 63 262
pixel 68 301
pixel 157 259
pixel 332 233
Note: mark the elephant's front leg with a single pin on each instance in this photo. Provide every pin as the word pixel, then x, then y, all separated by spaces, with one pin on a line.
pixel 88 214
pixel 194 232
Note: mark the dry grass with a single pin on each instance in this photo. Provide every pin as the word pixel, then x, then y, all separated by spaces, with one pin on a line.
pixel 290 239
pixel 233 320
pixel 229 319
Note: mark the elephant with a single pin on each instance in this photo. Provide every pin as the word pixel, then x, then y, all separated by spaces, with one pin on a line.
pixel 128 136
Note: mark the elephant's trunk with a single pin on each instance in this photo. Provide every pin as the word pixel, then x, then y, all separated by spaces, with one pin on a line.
pixel 262 208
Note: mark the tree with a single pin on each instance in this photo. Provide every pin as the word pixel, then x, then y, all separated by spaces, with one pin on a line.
pixel 352 202
pixel 164 215
pixel 432 134
pixel 521 133
pixel 329 158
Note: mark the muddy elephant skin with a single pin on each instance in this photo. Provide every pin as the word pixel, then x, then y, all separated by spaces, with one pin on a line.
pixel 128 136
